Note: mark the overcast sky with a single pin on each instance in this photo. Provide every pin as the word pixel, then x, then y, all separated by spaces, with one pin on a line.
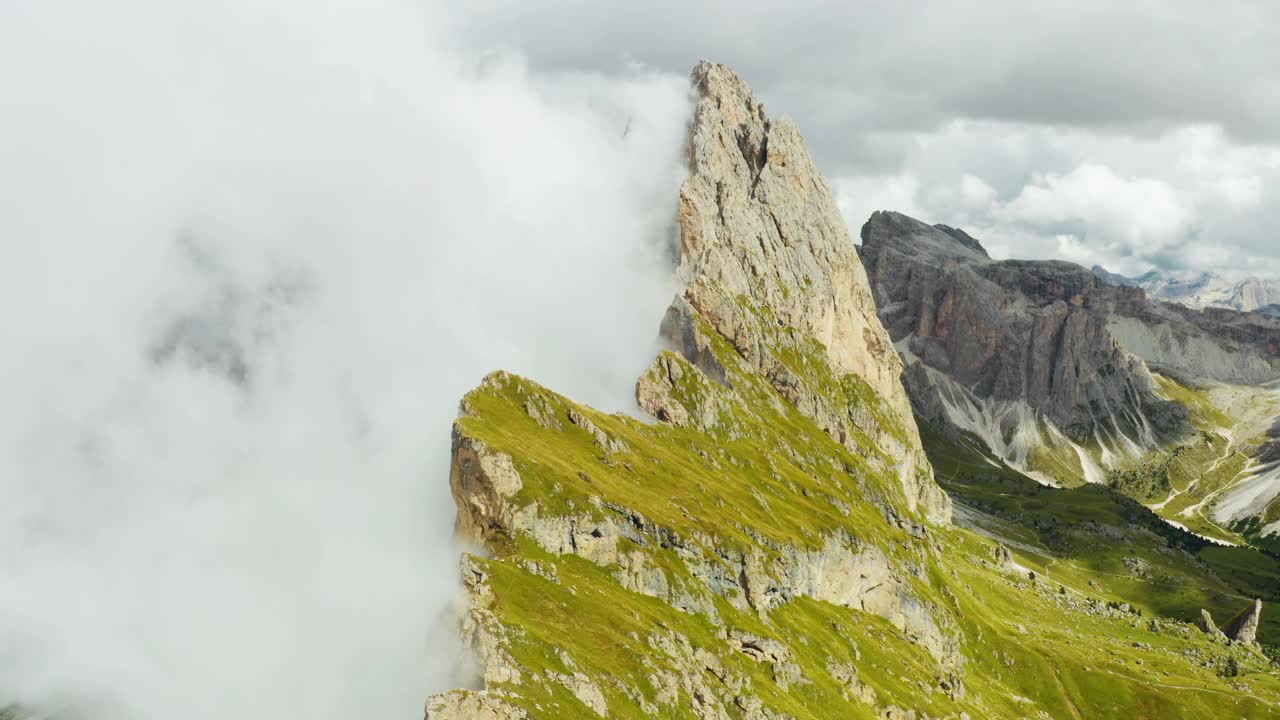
pixel 1130 136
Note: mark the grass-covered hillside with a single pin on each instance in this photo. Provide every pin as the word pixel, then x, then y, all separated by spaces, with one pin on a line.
pixel 1184 482
pixel 1093 534
pixel 630 593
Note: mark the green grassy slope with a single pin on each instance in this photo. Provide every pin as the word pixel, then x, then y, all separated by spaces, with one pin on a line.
pixel 765 481
pixel 1183 482
pixel 1095 534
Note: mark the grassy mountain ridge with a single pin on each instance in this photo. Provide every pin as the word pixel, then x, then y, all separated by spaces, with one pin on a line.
pixel 773 544
pixel 645 631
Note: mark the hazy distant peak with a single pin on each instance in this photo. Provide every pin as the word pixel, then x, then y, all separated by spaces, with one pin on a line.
pixel 1200 289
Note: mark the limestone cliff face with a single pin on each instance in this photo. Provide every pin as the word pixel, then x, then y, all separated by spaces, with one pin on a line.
pixel 1015 352
pixel 1045 357
pixel 1214 343
pixel 771 268
pixel 1010 331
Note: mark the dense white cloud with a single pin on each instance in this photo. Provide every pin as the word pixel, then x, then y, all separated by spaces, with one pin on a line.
pixel 1129 211
pixel 254 253
pixel 1185 199
pixel 859 196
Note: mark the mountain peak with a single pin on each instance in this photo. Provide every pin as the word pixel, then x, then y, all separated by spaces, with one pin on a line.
pixel 771 268
pixel 960 317
pixel 963 238
pixel 922 238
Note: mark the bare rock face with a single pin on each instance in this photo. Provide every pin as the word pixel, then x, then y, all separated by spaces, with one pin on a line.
pixel 482 482
pixel 1003 558
pixel 758 221
pixel 1213 343
pixel 1011 331
pixel 467 705
pixel 771 268
pixel 1047 359
pixel 1243 628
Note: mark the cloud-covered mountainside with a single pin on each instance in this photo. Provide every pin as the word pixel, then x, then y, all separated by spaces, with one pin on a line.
pixel 253 255
pixel 774 541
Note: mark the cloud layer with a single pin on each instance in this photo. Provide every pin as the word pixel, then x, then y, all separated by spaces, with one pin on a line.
pixel 1092 105
pixel 253 256
pixel 1187 199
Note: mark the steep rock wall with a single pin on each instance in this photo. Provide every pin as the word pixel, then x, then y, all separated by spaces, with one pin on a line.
pixel 771 268
pixel 1019 333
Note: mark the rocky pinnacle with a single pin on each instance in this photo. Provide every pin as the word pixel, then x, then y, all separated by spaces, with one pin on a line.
pixel 1243 628
pixel 763 246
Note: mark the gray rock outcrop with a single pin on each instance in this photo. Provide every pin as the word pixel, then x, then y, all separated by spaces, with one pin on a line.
pixel 1003 558
pixel 1243 628
pixel 482 482
pixel 467 705
pixel 1034 333
pixel 1206 624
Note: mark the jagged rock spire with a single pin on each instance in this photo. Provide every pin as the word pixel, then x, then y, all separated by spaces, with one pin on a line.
pixel 1243 628
pixel 1034 337
pixel 764 247
pixel 1206 624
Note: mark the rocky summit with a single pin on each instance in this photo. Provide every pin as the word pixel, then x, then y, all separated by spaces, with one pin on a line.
pixel 1018 353
pixel 771 269
pixel 1075 376
pixel 773 542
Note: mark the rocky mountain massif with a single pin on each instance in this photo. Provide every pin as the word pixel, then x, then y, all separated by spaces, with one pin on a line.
pixel 1074 377
pixel 1019 354
pixel 1070 377
pixel 773 543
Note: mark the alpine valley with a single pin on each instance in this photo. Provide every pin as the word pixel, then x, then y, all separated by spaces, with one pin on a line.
pixel 895 480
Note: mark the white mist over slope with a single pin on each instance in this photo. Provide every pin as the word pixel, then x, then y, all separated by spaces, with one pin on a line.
pixel 251 256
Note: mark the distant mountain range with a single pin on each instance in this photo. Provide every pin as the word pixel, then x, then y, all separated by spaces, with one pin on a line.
pixel 1202 289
